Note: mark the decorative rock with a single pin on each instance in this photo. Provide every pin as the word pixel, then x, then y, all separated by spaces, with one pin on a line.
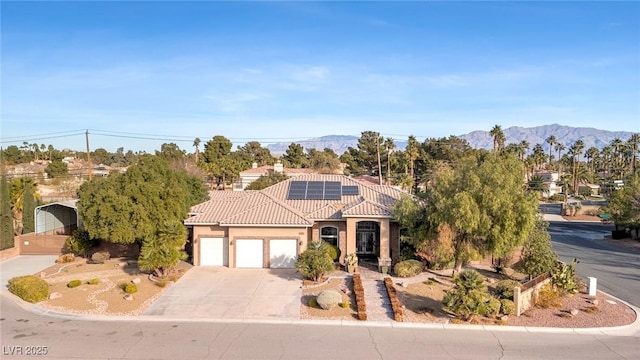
pixel 574 312
pixel 55 295
pixel 136 281
pixel 504 317
pixel 595 302
pixel 328 299
pixel 405 284
pixel 128 297
pixel 100 257
pixel 611 302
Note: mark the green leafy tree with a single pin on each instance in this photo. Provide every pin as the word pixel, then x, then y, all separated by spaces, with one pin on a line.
pixel 20 189
pixel 254 152
pixel 265 181
pixel 6 216
pixel 80 243
pixel 624 205
pixel 218 160
pixel 163 251
pixel 365 156
pixel 485 207
pixel 127 207
pixel 57 169
pixel 294 156
pixel 323 161
pixel 316 261
pixel 171 152
pixel 537 256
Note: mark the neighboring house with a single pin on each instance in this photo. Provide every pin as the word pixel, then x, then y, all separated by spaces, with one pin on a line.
pixel 590 189
pixel 250 175
pixel 270 227
pixel 550 182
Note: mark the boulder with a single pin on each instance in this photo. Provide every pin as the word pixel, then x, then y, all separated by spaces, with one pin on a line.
pixel 328 299
pixel 595 302
pixel 100 257
pixel 136 281
pixel 128 297
pixel 55 295
pixel 574 312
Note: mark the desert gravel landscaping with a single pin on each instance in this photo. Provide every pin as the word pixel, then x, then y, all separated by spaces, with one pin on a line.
pixel 106 297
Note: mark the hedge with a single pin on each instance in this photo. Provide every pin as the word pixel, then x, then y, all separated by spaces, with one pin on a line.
pixel 358 289
pixel 396 305
pixel 29 288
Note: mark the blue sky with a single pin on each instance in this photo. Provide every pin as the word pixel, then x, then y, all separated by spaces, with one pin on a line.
pixel 279 71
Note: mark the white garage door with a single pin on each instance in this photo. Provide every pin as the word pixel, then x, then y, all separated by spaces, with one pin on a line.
pixel 283 253
pixel 214 252
pixel 249 253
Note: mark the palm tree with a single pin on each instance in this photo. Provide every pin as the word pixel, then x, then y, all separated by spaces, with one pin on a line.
pixel 559 147
pixel 498 138
pixel 606 153
pixel 413 152
pixel 523 148
pixel 551 140
pixel 50 148
pixel 592 154
pixel 390 146
pixel 617 146
pixel 196 143
pixel 576 150
pixel 634 143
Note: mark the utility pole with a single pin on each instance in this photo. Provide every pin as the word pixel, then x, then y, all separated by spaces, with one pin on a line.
pixel 379 165
pixel 86 135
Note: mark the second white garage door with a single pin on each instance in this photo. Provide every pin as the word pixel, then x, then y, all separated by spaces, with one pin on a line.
pixel 249 253
pixel 282 253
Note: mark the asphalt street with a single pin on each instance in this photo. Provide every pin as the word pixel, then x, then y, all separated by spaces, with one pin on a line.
pixel 63 338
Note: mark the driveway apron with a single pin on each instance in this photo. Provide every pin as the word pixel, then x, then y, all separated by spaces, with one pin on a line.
pixel 223 293
pixel 24 265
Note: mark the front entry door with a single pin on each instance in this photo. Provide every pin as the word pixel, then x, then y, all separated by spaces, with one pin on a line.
pixel 365 242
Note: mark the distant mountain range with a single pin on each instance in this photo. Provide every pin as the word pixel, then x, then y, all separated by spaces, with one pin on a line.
pixel 566 135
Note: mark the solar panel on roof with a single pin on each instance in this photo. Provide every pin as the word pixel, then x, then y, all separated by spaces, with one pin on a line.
pixel 350 190
pixel 332 190
pixel 297 190
pixel 315 190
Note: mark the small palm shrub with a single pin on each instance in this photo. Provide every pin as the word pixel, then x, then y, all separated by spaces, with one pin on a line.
pixel 507 307
pixel 29 288
pixel 74 283
pixel 408 268
pixel 466 298
pixel 314 262
pixel 504 289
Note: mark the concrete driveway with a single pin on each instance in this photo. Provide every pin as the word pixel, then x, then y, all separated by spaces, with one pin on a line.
pixel 24 265
pixel 223 293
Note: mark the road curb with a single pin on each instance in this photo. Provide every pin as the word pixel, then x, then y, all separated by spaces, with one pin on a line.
pixel 632 329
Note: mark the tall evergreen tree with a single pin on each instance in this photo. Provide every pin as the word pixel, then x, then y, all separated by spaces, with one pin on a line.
pixel 6 216
pixel 28 208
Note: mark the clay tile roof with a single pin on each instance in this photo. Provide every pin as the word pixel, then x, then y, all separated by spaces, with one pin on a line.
pixel 270 206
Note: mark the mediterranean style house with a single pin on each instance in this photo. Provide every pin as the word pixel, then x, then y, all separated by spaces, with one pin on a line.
pixel 270 227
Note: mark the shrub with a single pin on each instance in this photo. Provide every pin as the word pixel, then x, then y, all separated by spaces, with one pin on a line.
pixel 408 268
pixel 548 297
pixel 345 304
pixel 65 258
pixel 74 283
pixel 80 243
pixel 507 307
pixel 130 288
pixel 29 288
pixel 504 289
pixel 162 282
pixel 358 289
pixel 466 298
pixel 490 308
pixel 93 281
pixel 334 252
pixel 313 302
pixel 314 262
pixel 556 197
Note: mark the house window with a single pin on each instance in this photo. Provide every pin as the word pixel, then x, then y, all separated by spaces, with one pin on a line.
pixel 329 234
